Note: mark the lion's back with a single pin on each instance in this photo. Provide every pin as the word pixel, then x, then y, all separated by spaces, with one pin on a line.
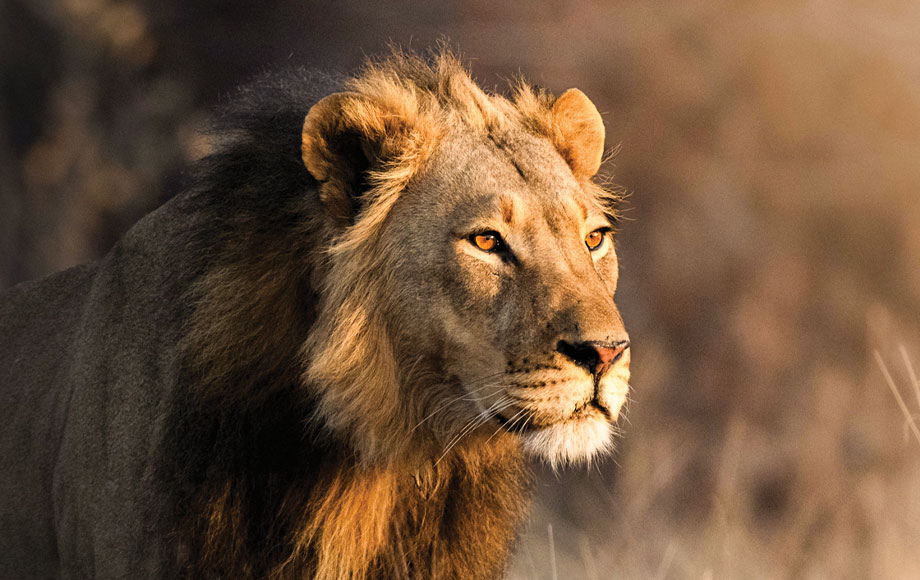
pixel 38 322
pixel 87 374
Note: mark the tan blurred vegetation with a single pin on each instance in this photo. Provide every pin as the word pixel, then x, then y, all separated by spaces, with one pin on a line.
pixel 772 242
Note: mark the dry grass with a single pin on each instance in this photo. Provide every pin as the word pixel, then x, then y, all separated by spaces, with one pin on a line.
pixel 909 417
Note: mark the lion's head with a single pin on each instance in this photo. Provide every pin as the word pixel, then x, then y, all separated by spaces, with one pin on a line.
pixel 468 282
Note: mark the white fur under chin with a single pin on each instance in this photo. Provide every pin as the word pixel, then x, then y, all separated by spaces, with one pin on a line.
pixel 578 441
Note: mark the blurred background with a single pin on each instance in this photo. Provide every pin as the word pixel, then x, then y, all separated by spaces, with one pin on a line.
pixel 771 244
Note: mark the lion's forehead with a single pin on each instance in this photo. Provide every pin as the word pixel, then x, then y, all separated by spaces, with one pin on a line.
pixel 477 173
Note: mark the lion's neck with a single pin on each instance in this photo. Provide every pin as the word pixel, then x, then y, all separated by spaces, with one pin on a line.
pixel 453 519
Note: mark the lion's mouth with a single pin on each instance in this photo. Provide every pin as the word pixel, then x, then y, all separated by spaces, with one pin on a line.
pixel 594 405
pixel 589 409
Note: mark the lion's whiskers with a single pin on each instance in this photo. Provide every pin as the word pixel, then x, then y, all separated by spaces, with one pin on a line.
pixel 510 423
pixel 462 396
pixel 474 423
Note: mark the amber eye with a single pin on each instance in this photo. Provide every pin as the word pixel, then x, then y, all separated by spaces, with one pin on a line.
pixel 487 241
pixel 595 239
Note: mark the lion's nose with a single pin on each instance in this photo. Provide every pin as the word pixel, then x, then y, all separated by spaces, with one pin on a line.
pixel 596 357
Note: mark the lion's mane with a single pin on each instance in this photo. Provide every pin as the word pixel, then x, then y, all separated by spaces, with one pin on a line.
pixel 332 480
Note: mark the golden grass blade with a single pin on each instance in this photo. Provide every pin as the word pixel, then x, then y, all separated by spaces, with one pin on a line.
pixel 588 558
pixel 665 566
pixel 910 371
pixel 552 551
pixel 897 395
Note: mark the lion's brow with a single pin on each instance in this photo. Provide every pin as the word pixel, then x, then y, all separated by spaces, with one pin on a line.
pixel 583 208
pixel 507 207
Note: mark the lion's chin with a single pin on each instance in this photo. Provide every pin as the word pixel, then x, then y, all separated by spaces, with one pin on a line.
pixel 574 441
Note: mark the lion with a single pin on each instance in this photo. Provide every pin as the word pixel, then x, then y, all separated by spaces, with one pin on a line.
pixel 333 354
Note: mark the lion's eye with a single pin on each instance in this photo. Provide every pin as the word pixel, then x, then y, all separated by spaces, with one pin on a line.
pixel 595 239
pixel 487 241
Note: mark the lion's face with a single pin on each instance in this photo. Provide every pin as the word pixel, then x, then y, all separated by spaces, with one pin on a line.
pixel 509 272
pixel 471 270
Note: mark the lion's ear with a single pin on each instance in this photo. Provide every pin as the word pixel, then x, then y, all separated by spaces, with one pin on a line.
pixel 344 136
pixel 582 132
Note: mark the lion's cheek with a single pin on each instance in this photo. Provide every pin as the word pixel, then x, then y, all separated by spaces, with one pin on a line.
pixel 467 351
pixel 478 274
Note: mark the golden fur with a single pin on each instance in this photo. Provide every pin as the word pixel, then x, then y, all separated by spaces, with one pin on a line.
pixel 398 487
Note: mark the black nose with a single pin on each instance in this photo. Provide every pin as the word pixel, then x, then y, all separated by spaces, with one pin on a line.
pixel 596 357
